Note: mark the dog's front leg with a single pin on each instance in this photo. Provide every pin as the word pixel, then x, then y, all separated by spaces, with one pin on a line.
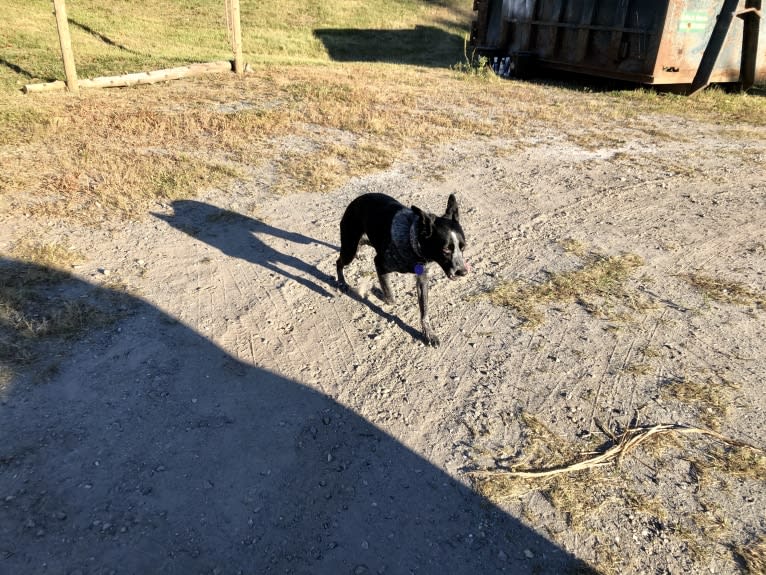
pixel 422 288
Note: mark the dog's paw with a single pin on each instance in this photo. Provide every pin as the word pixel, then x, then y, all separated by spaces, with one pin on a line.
pixel 431 339
pixel 342 287
pixel 382 296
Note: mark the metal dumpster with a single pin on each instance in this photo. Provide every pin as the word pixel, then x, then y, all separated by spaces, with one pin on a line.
pixel 680 42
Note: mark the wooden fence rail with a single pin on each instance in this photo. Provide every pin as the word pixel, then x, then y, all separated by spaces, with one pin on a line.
pixel 70 71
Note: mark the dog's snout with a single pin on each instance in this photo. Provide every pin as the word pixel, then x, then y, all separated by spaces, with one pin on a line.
pixel 461 272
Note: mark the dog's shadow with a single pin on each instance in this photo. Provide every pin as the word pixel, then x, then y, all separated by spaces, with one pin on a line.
pixel 243 237
pixel 246 238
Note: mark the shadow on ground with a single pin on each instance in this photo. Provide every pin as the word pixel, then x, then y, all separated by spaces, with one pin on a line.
pixel 151 450
pixel 98 35
pixel 17 69
pixel 251 240
pixel 419 46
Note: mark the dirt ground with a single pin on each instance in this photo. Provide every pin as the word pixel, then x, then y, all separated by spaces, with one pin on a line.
pixel 245 417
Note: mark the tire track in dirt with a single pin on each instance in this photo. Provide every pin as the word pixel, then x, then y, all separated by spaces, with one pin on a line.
pixel 552 352
pixel 600 385
pixel 648 342
pixel 705 251
pixel 635 214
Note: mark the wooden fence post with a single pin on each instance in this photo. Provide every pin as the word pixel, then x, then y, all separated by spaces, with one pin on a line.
pixel 235 34
pixel 66 45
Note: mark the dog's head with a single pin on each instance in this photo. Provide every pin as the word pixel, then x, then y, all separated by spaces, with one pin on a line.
pixel 442 239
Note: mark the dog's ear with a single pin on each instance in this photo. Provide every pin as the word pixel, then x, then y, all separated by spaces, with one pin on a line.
pixel 426 221
pixel 452 210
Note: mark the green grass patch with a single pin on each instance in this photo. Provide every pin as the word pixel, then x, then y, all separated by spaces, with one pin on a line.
pixel 123 36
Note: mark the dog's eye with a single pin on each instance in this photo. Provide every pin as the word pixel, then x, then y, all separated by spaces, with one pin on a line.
pixel 447 252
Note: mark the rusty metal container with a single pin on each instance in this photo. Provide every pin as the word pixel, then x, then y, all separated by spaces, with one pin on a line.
pixel 669 42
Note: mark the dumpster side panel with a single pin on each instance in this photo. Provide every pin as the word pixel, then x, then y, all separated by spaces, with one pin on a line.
pixel 687 34
pixel 649 41
pixel 612 38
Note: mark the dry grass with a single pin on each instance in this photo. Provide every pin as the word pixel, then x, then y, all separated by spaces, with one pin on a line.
pixel 117 153
pixel 638 368
pixel 622 445
pixel 51 255
pixel 33 316
pixel 752 557
pixel 114 153
pixel 599 286
pixel 540 448
pixel 709 398
pixel 725 291
pixel 108 154
pixel 738 461
pixel 589 486
pixel 573 246
pixel 329 166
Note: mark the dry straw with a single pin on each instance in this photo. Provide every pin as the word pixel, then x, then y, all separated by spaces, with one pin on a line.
pixel 629 440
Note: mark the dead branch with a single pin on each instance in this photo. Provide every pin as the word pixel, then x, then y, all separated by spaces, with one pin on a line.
pixel 627 441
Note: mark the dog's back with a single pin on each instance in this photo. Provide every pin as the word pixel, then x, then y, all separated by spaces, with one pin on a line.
pixel 370 215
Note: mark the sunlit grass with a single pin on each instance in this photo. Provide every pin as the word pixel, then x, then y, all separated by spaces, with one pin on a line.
pixel 599 286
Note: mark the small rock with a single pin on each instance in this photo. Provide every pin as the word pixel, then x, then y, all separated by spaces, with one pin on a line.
pixel 528 554
pixel 502 556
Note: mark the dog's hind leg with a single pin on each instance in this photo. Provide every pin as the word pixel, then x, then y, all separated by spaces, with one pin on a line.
pixel 350 235
pixel 422 288
pixel 342 285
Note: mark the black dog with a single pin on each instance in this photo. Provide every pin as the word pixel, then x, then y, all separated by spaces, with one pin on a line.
pixel 405 241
